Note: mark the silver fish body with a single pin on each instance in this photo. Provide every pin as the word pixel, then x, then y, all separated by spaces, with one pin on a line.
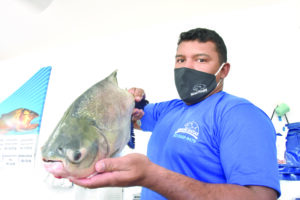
pixel 96 125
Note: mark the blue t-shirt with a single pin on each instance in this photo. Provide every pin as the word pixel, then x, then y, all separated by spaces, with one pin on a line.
pixel 222 139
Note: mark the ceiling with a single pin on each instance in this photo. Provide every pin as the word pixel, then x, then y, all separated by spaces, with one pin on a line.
pixel 34 25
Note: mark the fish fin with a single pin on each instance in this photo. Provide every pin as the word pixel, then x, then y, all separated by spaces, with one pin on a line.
pixel 113 77
pixel 131 142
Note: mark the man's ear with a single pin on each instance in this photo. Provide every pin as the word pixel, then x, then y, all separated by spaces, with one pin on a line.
pixel 225 70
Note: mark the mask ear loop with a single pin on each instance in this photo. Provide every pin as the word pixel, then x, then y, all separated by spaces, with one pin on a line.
pixel 221 79
pixel 220 68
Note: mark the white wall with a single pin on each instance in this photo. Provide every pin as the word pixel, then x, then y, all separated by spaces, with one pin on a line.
pixel 263 49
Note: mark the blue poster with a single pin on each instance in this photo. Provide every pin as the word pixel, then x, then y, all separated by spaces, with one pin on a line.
pixel 20 120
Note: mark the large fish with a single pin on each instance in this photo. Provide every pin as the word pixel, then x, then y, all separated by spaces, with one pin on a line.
pixel 96 125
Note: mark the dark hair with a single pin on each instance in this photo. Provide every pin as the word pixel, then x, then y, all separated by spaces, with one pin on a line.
pixel 204 35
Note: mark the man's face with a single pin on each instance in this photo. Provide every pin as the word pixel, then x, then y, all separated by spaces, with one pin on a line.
pixel 201 56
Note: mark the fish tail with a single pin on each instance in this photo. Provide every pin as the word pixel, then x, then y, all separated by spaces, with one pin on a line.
pixel 131 142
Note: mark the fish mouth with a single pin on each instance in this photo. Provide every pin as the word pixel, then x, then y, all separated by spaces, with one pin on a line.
pixel 50 161
pixel 55 167
pixel 30 125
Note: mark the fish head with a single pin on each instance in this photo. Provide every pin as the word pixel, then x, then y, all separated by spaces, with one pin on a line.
pixel 26 118
pixel 73 148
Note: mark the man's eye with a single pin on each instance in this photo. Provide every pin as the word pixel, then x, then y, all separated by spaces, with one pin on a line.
pixel 201 60
pixel 179 60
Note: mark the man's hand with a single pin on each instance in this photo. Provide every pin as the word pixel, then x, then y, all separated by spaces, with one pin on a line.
pixel 137 114
pixel 129 170
pixel 138 93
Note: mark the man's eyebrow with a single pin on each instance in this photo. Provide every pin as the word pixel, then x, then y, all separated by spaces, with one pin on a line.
pixel 201 54
pixel 196 55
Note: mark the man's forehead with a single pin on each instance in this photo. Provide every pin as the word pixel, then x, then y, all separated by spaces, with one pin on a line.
pixel 195 45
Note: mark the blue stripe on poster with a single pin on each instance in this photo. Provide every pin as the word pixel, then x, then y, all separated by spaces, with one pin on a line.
pixel 21 113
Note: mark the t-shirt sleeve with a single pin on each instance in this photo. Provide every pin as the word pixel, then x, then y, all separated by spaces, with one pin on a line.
pixel 149 119
pixel 153 113
pixel 248 147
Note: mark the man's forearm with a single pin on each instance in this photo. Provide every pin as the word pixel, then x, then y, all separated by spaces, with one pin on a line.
pixel 175 186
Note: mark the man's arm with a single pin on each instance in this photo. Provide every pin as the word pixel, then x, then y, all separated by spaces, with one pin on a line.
pixel 138 170
pixel 176 186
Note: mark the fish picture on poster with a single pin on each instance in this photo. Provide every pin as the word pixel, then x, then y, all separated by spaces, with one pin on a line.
pixel 20 120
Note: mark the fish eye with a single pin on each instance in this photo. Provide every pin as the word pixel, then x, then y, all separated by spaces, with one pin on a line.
pixel 75 156
pixel 60 150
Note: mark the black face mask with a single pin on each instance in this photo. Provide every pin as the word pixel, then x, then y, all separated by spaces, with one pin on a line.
pixel 193 86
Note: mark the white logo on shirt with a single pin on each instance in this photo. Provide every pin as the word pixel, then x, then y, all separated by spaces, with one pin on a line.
pixel 190 128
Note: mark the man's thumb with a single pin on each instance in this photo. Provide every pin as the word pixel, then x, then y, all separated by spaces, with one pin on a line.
pixel 100 166
pixel 106 165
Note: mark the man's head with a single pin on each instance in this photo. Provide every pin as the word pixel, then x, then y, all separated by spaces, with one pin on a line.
pixel 200 65
pixel 205 35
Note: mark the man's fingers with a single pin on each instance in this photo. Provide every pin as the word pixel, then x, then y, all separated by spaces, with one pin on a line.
pixel 137 114
pixel 121 171
pixel 138 93
pixel 99 180
pixel 82 182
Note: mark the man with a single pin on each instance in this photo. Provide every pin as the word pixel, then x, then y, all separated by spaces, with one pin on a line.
pixel 208 145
